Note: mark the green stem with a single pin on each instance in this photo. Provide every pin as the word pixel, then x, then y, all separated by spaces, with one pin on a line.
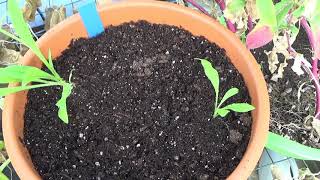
pixel 4 165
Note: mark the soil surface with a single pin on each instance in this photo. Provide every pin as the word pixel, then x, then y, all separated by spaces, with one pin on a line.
pixel 141 108
pixel 292 97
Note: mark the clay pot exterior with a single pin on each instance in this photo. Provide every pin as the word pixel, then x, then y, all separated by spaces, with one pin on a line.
pixel 58 39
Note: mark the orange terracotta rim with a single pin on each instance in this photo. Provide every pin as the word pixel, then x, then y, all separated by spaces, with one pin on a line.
pixel 58 39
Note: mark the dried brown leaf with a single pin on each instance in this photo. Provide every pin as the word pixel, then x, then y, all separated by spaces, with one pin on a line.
pixel 272 60
pixel 252 10
pixel 9 56
pixel 30 8
pixel 276 173
pixel 280 47
pixel 54 15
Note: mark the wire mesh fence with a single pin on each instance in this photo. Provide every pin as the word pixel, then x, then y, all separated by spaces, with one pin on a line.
pixel 70 6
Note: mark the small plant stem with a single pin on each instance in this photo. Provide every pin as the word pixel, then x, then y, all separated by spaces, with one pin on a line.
pixel 315 74
pixel 198 6
pixel 230 25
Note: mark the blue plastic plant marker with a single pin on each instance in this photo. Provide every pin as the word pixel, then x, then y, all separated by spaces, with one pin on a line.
pixel 91 19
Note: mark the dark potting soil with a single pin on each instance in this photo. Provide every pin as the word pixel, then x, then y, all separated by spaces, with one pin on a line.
pixel 290 115
pixel 141 108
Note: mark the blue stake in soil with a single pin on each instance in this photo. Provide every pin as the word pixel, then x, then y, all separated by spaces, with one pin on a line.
pixel 91 19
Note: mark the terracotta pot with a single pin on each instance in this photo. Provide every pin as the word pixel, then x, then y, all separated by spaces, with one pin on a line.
pixel 59 38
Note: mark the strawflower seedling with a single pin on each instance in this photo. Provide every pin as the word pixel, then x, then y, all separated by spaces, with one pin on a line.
pixel 213 76
pixel 31 77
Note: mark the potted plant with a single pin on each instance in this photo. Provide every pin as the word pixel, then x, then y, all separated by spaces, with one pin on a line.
pixel 271 30
pixel 128 142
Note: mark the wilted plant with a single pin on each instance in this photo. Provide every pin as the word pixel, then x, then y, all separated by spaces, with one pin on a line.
pixel 214 78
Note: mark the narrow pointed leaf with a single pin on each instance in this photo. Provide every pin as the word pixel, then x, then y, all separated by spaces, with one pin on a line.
pixel 4 165
pixel 291 148
pixel 62 103
pixel 22 29
pixel 11 90
pixel 239 107
pixel 222 112
pixel 24 74
pixel 212 75
pixel 231 92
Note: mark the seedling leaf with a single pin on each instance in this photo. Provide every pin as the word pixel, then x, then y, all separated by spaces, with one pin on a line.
pixel 231 92
pixel 222 112
pixel 11 90
pixel 239 107
pixel 212 75
pixel 24 74
pixel 22 29
pixel 62 103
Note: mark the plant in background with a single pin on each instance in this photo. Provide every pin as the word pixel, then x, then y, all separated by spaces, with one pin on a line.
pixel 213 76
pixel 30 77
pixel 5 162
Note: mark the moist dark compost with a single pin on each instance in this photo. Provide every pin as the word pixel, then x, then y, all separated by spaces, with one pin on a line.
pixel 292 97
pixel 141 108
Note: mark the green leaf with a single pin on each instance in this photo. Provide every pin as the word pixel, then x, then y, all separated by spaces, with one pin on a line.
pixel 235 5
pixel 3 176
pixel 62 103
pixel 282 9
pixel 231 92
pixel 24 74
pixel 11 90
pixel 291 148
pixel 1 145
pixel 212 75
pixel 267 13
pixel 222 112
pixel 4 165
pixel 22 29
pixel 239 107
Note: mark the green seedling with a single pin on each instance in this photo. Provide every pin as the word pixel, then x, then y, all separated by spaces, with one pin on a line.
pixel 213 76
pixel 30 77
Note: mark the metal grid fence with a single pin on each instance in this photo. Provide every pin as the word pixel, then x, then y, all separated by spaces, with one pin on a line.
pixel 70 6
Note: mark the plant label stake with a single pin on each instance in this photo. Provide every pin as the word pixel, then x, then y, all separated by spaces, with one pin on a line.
pixel 91 19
